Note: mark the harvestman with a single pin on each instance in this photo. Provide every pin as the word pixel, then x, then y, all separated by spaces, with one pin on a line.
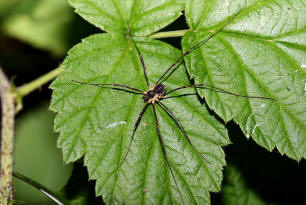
pixel 157 93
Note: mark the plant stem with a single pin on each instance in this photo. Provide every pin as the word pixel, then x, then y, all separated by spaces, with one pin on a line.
pixel 40 187
pixel 169 34
pixel 7 140
pixel 29 87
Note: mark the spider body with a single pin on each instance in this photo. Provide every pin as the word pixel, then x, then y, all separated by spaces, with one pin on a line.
pixel 155 94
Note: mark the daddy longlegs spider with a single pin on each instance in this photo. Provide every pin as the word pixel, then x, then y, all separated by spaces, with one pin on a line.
pixel 158 92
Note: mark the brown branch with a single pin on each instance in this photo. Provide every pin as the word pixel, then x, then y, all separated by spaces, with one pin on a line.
pixel 7 139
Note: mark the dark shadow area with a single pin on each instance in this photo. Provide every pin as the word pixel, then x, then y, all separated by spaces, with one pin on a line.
pixel 23 61
pixel 26 63
pixel 178 24
pixel 78 185
pixel 274 177
pixel 79 29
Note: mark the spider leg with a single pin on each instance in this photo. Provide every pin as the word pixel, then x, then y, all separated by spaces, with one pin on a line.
pixel 177 96
pixel 165 153
pixel 197 46
pixel 179 124
pixel 209 87
pixel 135 128
pixel 142 62
pixel 116 87
pixel 216 89
pixel 172 65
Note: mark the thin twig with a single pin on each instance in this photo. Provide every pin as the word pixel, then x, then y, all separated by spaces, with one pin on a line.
pixel 7 140
pixel 37 83
pixel 40 187
pixel 169 34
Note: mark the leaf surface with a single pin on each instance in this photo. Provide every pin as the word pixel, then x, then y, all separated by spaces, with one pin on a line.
pixel 98 123
pixel 142 17
pixel 261 52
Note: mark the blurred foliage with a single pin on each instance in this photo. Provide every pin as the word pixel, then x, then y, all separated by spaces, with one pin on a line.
pixel 45 24
pixel 37 157
pixel 79 190
pixel 274 178
pixel 237 192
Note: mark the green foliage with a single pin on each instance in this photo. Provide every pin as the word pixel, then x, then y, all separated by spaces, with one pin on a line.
pixel 237 192
pixel 36 156
pixel 261 53
pixel 142 17
pixel 248 58
pixel 43 23
pixel 99 123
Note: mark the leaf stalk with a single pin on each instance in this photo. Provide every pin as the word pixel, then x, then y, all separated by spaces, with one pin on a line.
pixel 37 83
pixel 169 34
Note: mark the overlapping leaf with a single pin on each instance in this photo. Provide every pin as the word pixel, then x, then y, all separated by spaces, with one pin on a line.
pixel 142 17
pixel 260 53
pixel 98 123
pixel 237 192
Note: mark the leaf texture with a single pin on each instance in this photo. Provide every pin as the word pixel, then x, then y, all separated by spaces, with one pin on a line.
pixel 141 17
pixel 260 53
pixel 98 123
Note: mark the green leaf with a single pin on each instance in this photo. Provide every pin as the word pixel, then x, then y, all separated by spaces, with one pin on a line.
pixel 98 123
pixel 5 6
pixel 236 191
pixel 44 23
pixel 79 200
pixel 142 17
pixel 36 156
pixel 260 53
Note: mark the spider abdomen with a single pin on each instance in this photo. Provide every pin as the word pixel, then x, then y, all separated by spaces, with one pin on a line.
pixel 155 94
pixel 160 89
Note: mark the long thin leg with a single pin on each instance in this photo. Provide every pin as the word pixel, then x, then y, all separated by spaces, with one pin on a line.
pixel 117 87
pixel 164 152
pixel 197 46
pixel 142 61
pixel 179 124
pixel 178 96
pixel 135 128
pixel 210 87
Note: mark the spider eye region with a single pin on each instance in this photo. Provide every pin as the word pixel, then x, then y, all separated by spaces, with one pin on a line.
pixel 155 94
